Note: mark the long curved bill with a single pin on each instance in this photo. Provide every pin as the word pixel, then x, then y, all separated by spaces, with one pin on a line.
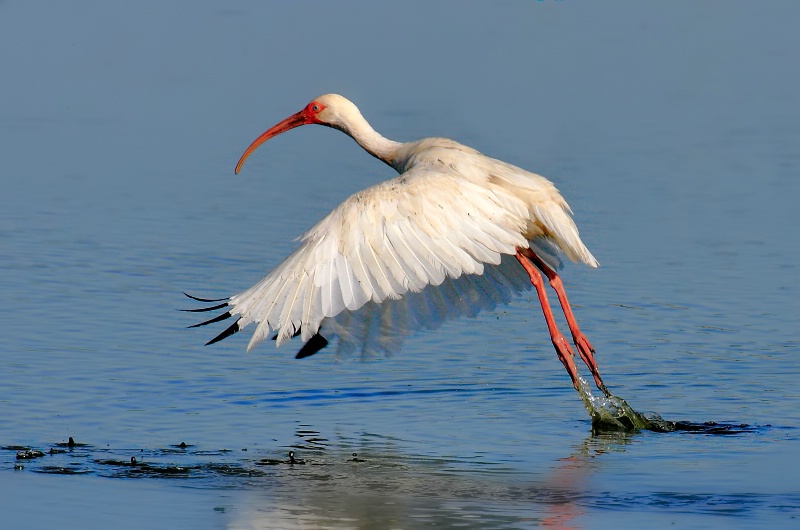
pixel 295 120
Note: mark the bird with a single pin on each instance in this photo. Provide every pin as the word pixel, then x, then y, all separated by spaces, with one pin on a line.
pixel 444 238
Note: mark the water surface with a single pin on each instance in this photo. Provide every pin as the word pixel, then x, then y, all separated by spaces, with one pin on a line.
pixel 672 130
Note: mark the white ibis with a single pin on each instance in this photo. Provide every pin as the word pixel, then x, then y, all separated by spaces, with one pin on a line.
pixel 408 252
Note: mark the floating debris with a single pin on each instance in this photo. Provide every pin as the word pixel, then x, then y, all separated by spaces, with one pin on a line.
pixel 15 448
pixel 29 454
pixel 712 427
pixel 71 443
pixel 276 462
pixel 270 462
pixel 61 470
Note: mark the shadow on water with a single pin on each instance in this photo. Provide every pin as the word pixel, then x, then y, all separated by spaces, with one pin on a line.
pixel 613 414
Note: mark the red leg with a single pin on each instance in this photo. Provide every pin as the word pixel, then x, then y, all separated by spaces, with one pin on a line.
pixel 560 342
pixel 584 346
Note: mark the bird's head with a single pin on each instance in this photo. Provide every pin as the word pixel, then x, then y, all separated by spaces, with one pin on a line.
pixel 331 110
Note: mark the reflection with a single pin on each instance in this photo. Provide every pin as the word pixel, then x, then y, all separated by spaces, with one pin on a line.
pixel 311 439
pixel 382 488
pixel 371 481
pixel 571 477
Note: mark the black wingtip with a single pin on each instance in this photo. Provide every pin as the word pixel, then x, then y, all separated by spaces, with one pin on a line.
pixel 206 300
pixel 204 309
pixel 223 316
pixel 314 344
pixel 225 334
pixel 296 333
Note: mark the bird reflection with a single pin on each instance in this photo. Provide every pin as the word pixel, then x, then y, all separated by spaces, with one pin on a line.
pixel 389 489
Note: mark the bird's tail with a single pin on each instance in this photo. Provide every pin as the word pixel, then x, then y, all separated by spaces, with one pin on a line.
pixel 562 231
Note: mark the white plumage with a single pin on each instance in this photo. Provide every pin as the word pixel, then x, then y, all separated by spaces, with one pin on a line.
pixel 410 251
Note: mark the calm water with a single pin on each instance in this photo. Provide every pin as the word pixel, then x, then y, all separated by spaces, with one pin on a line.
pixel 673 129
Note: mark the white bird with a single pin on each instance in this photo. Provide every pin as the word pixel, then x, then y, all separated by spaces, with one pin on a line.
pixel 412 251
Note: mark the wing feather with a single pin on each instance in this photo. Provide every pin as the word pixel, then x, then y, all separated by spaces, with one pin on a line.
pixel 372 288
pixel 410 252
pixel 401 272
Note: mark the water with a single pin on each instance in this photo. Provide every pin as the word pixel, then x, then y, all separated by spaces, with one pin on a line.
pixel 672 129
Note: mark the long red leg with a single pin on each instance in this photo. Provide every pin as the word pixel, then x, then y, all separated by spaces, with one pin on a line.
pixel 584 346
pixel 560 342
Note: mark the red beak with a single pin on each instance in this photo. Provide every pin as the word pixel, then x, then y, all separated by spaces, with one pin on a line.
pixel 295 120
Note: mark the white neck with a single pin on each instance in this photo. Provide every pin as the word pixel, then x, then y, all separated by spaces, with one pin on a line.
pixel 376 145
pixel 354 125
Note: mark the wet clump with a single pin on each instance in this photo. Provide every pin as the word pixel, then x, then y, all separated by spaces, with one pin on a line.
pixel 29 454
pixel 613 414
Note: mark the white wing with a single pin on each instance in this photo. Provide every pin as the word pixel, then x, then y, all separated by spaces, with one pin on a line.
pixel 381 328
pixel 436 221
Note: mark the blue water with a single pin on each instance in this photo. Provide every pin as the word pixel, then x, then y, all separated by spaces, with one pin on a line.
pixel 673 129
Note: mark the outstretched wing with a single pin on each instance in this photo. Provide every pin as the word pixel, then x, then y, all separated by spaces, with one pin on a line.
pixel 407 234
pixel 382 328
